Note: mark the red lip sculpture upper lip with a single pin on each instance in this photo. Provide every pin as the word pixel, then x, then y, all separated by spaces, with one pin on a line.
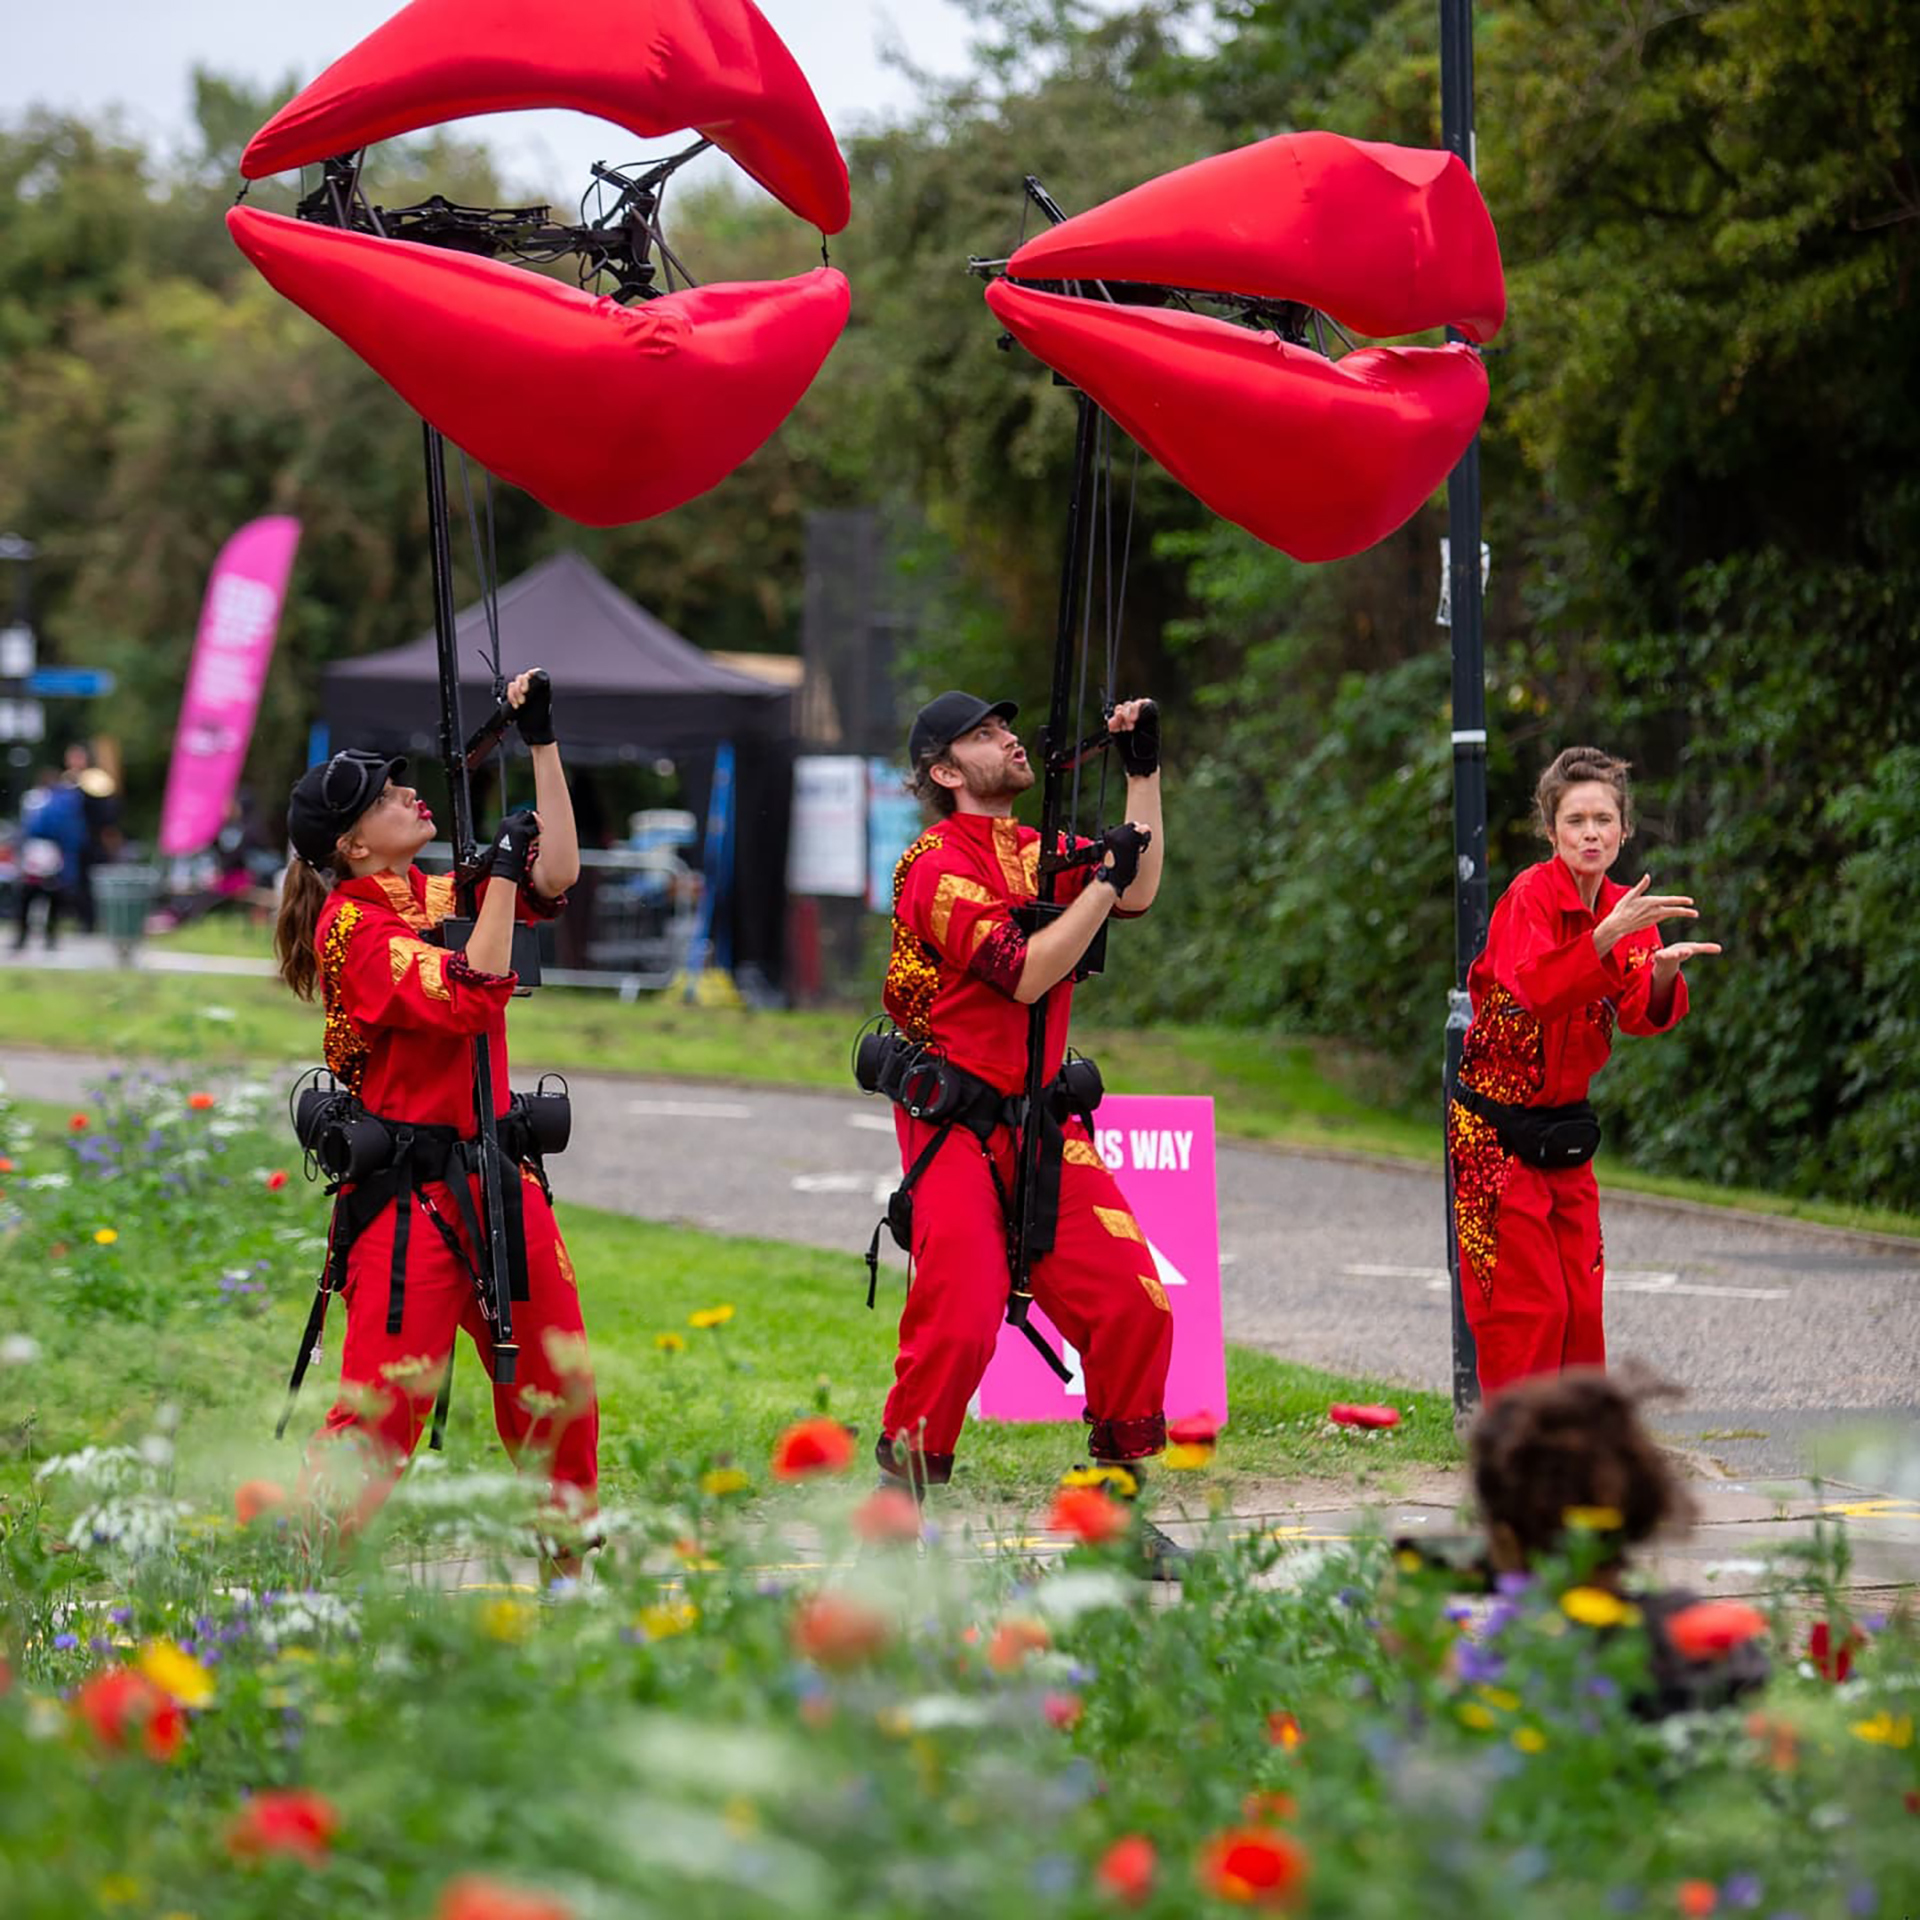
pixel 1318 457
pixel 606 413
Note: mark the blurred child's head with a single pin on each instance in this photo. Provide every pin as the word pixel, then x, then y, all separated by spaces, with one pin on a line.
pixel 1570 1440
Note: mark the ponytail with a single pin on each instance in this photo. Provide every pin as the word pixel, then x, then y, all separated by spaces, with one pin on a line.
pixel 302 894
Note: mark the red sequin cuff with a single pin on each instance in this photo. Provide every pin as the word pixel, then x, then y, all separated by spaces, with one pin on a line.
pixel 1000 958
pixel 1134 1439
pixel 459 968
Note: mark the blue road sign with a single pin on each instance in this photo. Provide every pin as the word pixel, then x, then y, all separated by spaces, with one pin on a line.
pixel 69 683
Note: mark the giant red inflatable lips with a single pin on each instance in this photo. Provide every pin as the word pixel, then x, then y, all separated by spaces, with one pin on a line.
pixel 652 66
pixel 606 413
pixel 1320 458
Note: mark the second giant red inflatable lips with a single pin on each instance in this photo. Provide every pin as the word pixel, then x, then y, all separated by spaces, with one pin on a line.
pixel 607 413
pixel 1320 458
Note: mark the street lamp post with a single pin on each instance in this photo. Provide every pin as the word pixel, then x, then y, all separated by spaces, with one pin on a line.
pixel 18 710
pixel 1469 699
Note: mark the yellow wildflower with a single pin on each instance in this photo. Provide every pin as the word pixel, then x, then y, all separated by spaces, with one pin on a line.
pixel 1593 1519
pixel 1884 1730
pixel 104 1236
pixel 1595 1607
pixel 1185 1459
pixel 1471 1713
pixel 1115 1480
pixel 717 1482
pixel 177 1674
pixel 118 1890
pixel 1529 1739
pixel 504 1618
pixel 670 1342
pixel 1499 1697
pixel 709 1317
pixel 664 1620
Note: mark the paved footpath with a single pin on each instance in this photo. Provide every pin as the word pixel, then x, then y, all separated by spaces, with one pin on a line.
pixel 1780 1333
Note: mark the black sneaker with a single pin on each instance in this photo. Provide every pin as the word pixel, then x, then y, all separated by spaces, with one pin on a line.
pixel 1161 1556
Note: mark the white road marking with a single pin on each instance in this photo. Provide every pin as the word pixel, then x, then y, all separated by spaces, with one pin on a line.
pixel 1626 1280
pixel 870 1122
pixel 879 1186
pixel 690 1109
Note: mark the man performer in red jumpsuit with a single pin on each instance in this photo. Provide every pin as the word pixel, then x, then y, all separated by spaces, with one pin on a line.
pixel 960 980
pixel 402 1018
pixel 1570 954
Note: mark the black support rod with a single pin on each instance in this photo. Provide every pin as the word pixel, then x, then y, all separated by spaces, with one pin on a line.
pixel 497 1301
pixel 1469 697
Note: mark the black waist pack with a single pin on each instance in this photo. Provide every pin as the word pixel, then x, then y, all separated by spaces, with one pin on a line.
pixel 1545 1137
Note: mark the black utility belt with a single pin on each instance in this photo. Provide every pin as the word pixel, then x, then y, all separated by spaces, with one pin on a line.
pixel 932 1088
pixel 352 1144
pixel 1545 1137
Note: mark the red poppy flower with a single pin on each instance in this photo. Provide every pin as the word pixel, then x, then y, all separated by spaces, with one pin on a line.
pixel 1092 1517
pixel 835 1630
pixel 1344 1415
pixel 888 1514
pixel 1063 1710
pixel 1126 1869
pixel 1013 1640
pixel 1696 1898
pixel 77 1123
pixel 1254 1866
pixel 124 1709
pixel 474 1896
pixel 812 1446
pixel 276 1179
pixel 199 1102
pixel 1284 1730
pixel 1196 1430
pixel 6 1165
pixel 1910 1799
pixel 1831 1654
pixel 292 1821
pixel 6 1675
pixel 1710 1628
pixel 252 1498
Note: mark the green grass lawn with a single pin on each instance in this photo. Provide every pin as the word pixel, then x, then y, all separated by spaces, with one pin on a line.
pixel 1287 1091
pixel 800 1341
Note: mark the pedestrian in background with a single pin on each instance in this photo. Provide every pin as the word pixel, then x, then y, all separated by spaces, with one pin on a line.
pixel 52 839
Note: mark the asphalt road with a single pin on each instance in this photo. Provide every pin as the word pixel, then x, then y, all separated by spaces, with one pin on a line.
pixel 1779 1333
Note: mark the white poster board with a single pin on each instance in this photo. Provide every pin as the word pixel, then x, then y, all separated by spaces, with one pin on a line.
pixel 827 848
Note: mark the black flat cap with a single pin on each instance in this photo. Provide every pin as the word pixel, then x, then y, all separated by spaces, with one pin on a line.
pixel 327 799
pixel 944 719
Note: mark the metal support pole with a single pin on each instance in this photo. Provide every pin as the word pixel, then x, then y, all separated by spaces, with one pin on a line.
pixel 1469 701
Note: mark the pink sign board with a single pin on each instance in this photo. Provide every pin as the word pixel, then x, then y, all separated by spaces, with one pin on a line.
pixel 1160 1149
pixel 238 621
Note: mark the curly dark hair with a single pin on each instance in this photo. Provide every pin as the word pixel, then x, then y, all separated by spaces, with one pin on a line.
pixel 938 801
pixel 1573 1439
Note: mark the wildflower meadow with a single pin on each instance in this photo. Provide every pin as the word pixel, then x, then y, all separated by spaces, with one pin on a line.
pixel 777 1692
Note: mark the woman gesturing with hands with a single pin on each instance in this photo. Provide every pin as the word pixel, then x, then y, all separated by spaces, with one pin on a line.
pixel 1570 956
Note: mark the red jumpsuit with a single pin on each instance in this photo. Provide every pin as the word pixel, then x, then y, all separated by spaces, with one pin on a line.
pixel 402 1016
pixel 1532 1264
pixel 956 960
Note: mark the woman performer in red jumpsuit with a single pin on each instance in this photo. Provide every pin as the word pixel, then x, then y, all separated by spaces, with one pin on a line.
pixel 1569 954
pixel 402 1016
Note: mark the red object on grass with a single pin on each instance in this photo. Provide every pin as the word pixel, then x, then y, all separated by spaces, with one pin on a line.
pixel 1196 1430
pixel 655 67
pixel 1343 1415
pixel 1833 1655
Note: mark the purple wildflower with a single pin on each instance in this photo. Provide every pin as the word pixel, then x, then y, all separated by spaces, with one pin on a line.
pixel 1479 1666
pixel 1741 1890
pixel 65 1642
pixel 1512 1583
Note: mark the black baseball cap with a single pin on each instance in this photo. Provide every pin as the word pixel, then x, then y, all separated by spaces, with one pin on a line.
pixel 327 799
pixel 945 718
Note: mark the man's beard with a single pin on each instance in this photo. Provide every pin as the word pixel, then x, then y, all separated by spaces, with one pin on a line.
pixel 998 783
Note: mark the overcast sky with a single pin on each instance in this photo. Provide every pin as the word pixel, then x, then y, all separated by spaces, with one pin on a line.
pixel 138 54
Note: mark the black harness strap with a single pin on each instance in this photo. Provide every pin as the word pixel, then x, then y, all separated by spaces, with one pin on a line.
pixel 900 1210
pixel 401 1174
